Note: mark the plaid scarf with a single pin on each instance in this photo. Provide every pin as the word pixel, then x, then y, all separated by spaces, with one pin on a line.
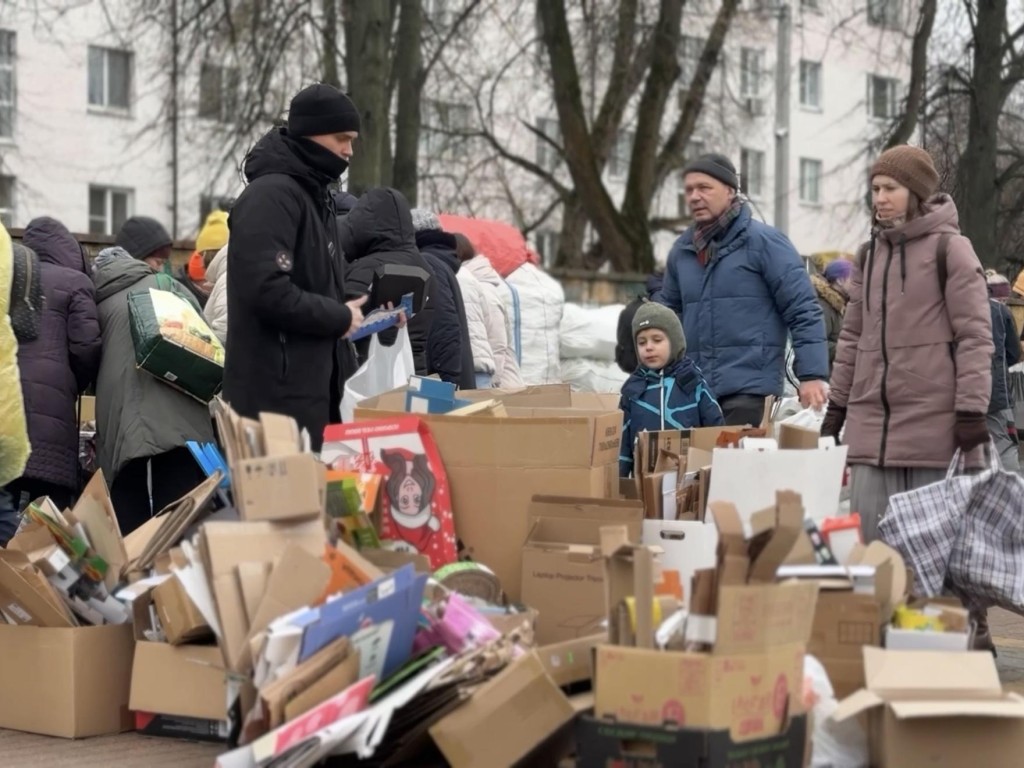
pixel 703 234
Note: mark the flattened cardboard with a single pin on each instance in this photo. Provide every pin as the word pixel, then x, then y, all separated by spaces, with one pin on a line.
pixel 563 568
pixel 688 547
pixel 186 681
pixel 225 545
pixel 66 682
pixel 478 734
pixel 278 487
pixel 26 597
pixel 307 691
pixel 252 580
pixel 751 695
pixel 758 617
pixel 571 661
pixel 95 512
pixel 280 435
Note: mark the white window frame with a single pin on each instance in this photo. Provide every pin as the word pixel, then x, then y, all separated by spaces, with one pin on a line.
pixel 810 187
pixel 690 49
pixel 227 91
pixel 444 122
pixel 104 105
pixel 622 153
pixel 886 14
pixel 752 171
pixel 547 246
pixel 7 212
pixel 810 74
pixel 438 13
pixel 108 207
pixel 10 65
pixel 894 88
pixel 751 72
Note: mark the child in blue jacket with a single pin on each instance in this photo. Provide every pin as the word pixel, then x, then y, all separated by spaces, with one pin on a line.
pixel 667 390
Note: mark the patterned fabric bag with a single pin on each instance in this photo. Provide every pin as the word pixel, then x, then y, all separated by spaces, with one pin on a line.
pixel 986 566
pixel 923 525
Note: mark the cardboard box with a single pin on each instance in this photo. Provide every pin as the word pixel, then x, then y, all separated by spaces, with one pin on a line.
pixel 688 546
pixel 506 718
pixel 279 487
pixel 184 681
pixel 87 408
pixel 563 569
pixel 553 441
pixel 943 710
pixel 66 682
pixel 602 743
pixel 571 661
pixel 179 617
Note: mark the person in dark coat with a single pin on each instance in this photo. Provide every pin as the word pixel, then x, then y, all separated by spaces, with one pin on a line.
pixel 1007 354
pixel 625 346
pixel 285 283
pixel 378 231
pixel 449 352
pixel 58 365
pixel 348 358
pixel 142 424
pixel 832 288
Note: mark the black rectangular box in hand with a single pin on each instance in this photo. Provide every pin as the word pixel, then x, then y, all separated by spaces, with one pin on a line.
pixel 393 281
pixel 602 743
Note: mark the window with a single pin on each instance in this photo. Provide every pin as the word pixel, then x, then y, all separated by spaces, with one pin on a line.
pixel 622 152
pixel 752 173
pixel 437 13
pixel 444 128
pixel 547 155
pixel 218 92
pixel 7 201
pixel 110 78
pixel 883 97
pixel 810 84
pixel 751 69
pixel 8 82
pixel 547 246
pixel 884 13
pixel 109 208
pixel 810 181
pixel 690 49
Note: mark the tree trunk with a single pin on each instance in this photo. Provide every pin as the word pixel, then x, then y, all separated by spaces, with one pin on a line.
pixel 907 125
pixel 330 44
pixel 368 66
pixel 409 73
pixel 570 240
pixel 977 172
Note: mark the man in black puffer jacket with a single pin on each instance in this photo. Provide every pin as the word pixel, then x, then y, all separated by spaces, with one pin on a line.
pixel 449 352
pixel 285 281
pixel 378 230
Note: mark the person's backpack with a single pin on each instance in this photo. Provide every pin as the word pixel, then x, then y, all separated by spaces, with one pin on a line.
pixel 941 257
pixel 26 307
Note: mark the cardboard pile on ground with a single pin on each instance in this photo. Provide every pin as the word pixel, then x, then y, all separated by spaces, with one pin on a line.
pixel 549 441
pixel 723 679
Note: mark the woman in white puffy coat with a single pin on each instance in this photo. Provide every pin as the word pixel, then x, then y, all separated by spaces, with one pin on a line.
pixel 476 323
pixel 216 310
pixel 498 328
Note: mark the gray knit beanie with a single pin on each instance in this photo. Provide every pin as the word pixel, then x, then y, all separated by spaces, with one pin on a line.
pixel 649 315
pixel 422 220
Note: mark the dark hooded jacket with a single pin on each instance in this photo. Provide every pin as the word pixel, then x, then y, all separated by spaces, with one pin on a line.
pixel 286 286
pixel 449 351
pixel 137 415
pixel 625 346
pixel 1007 354
pixel 378 231
pixel 64 359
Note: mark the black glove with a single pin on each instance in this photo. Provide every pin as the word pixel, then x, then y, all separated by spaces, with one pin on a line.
pixel 832 425
pixel 971 430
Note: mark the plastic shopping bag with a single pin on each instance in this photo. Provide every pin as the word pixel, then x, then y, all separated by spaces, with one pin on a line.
pixel 386 368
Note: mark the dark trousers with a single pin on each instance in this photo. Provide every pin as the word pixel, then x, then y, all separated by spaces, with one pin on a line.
pixel 174 474
pixel 24 490
pixel 9 517
pixel 740 410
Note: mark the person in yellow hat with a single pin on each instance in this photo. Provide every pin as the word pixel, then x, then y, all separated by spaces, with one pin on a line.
pixel 212 237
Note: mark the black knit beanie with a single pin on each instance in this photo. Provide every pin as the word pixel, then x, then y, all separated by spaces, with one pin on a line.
pixel 321 109
pixel 142 236
pixel 716 166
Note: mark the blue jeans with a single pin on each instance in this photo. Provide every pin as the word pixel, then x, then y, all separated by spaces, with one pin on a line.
pixel 483 381
pixel 8 517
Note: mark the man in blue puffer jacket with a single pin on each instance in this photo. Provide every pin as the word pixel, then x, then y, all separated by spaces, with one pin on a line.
pixel 740 287
pixel 667 391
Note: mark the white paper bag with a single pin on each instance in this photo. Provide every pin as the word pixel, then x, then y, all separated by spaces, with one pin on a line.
pixel 386 368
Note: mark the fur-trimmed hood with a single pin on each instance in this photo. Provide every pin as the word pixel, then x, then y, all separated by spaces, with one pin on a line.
pixel 834 295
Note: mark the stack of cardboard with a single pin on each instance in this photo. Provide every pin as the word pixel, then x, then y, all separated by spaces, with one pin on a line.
pixel 721 681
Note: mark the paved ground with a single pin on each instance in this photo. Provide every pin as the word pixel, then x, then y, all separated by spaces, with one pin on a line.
pixel 21 749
